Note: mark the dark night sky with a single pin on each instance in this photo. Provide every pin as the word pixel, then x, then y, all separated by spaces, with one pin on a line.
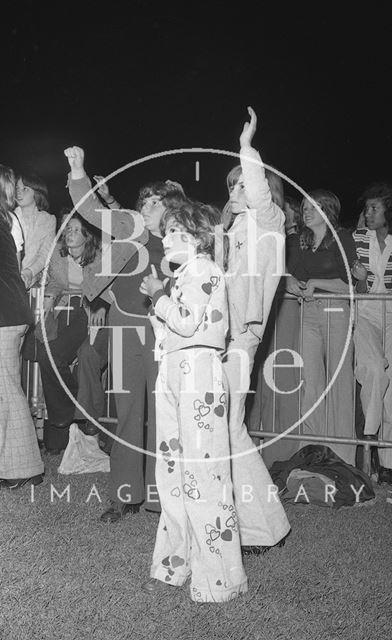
pixel 126 79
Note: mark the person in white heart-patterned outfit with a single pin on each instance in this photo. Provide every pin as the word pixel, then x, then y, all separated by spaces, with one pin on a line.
pixel 198 532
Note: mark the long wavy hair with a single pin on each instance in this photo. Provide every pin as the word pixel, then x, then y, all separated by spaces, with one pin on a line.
pixel 92 246
pixel 39 187
pixel 329 203
pixel 295 205
pixel 7 194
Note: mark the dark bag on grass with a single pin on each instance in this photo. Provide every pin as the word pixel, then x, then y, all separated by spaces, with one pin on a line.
pixel 350 482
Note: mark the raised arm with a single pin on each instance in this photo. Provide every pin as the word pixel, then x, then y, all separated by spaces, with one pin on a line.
pixel 258 193
pixel 105 194
pixel 122 224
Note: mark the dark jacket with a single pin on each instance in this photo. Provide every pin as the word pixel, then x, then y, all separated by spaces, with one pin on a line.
pixel 128 237
pixel 14 301
pixel 323 460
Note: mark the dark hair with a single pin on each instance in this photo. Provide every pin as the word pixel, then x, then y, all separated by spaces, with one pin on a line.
pixel 163 189
pixel 198 219
pixel 295 205
pixel 379 191
pixel 39 187
pixel 329 203
pixel 92 246
pixel 7 194
pixel 63 213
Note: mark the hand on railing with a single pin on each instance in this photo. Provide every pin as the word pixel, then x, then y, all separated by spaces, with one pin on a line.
pixel 294 286
pixel 308 290
pixel 27 277
pixel 48 303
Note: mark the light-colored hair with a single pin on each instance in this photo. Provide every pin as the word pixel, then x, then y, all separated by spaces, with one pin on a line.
pixel 329 203
pixel 7 193
pixel 275 184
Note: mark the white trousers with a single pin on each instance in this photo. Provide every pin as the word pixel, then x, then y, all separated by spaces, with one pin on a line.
pixel 373 370
pixel 324 342
pixel 261 516
pixel 198 531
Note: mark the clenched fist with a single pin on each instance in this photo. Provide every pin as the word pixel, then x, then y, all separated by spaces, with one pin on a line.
pixel 75 157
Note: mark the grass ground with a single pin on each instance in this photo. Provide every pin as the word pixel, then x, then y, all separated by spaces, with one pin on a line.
pixel 66 576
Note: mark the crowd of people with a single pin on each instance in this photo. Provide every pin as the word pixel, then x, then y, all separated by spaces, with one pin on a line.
pixel 187 305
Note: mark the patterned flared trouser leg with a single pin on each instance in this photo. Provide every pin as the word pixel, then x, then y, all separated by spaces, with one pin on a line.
pixel 198 531
pixel 19 451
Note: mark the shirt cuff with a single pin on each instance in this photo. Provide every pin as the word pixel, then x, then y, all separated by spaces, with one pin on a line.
pixel 158 294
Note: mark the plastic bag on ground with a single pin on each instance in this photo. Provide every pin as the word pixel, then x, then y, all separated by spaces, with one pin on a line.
pixel 83 454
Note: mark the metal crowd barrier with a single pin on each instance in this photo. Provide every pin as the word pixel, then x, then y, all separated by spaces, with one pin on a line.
pixel 33 386
pixel 326 438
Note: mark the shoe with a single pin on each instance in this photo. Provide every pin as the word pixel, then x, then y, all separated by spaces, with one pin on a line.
pixel 155 586
pixel 87 427
pixel 114 514
pixel 61 425
pixel 20 482
pixel 260 550
pixel 385 475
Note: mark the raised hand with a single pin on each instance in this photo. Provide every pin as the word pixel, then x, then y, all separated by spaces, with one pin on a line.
pixel 249 129
pixel 75 157
pixel 103 189
pixel 151 283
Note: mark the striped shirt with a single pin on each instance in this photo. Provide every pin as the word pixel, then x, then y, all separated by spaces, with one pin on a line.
pixel 364 239
pixel 379 267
